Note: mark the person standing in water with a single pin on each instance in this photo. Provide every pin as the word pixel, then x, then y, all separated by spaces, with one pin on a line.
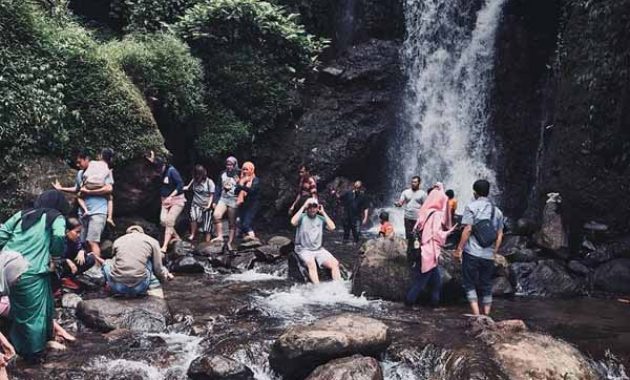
pixel 307 188
pixel 201 208
pixel 356 207
pixel 412 200
pixel 225 198
pixel 248 199
pixel 480 241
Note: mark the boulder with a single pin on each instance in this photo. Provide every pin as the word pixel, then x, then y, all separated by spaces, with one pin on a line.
pixel 210 249
pixel 186 264
pixel 283 244
pixel 501 286
pixel 545 278
pixel 180 248
pixel 578 268
pixel 218 367
pixel 300 349
pixel 147 314
pixel 382 271
pixel 613 276
pixel 249 244
pixel 552 234
pixel 515 249
pixel 137 189
pixel 268 253
pixel 355 367
pixel 238 261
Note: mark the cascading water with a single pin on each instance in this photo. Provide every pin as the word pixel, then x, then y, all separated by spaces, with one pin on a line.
pixel 448 59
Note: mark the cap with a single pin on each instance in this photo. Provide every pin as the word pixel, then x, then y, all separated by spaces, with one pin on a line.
pixel 135 228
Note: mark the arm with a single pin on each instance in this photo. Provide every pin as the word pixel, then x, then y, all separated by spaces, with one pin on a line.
pixel 330 225
pixel 250 190
pixel 105 190
pixel 58 237
pixel 401 201
pixel 499 241
pixel 57 186
pixel 176 179
pixel 187 187
pixel 6 230
pixel 156 256
pixel 295 220
pixel 365 215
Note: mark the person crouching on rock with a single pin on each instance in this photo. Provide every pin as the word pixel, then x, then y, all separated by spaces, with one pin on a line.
pixel 308 239
pixel 248 190
pixel 76 258
pixel 433 226
pixel 136 258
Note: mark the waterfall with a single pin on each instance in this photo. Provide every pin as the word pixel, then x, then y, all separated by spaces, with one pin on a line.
pixel 448 58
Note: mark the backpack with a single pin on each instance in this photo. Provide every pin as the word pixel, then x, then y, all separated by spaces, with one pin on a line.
pixel 414 252
pixel 484 231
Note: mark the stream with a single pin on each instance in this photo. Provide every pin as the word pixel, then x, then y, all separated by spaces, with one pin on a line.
pixel 240 316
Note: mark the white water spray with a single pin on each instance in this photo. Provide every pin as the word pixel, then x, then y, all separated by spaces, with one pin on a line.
pixel 449 68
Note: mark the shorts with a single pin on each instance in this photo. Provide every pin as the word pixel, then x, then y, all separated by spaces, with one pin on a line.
pixel 168 216
pixel 320 256
pixel 202 216
pixel 92 227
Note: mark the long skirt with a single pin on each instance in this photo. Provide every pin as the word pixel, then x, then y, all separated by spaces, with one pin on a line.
pixel 32 312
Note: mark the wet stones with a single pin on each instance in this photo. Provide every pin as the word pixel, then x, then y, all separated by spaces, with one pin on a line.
pixel 545 278
pixel 276 247
pixel 301 349
pixel 355 367
pixel 186 264
pixel 552 234
pixel 71 300
pixel 218 367
pixel 147 314
pixel 613 276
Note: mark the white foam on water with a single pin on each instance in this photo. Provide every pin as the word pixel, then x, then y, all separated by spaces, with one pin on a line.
pixel 256 358
pixel 253 275
pixel 610 368
pixel 304 300
pixel 398 371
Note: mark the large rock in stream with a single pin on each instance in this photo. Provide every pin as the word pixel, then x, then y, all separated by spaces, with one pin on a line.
pixel 546 278
pixel 146 314
pixel 614 276
pixel 355 367
pixel 218 367
pixel 301 349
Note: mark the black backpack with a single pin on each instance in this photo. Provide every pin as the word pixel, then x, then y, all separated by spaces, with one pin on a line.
pixel 484 230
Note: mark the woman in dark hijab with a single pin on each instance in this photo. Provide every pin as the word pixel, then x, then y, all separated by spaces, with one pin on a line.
pixel 37 234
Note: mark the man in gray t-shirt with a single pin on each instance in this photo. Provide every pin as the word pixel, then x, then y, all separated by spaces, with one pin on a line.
pixel 412 199
pixel 310 221
pixel 478 261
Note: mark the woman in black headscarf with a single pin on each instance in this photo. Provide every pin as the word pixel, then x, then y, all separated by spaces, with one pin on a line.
pixel 37 234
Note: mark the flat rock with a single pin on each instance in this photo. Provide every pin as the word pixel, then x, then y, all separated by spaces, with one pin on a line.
pixel 209 249
pixel 218 367
pixel 301 349
pixel 355 367
pixel 146 314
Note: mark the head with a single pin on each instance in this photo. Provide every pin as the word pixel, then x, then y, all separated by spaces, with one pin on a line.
pixel 199 173
pixel 304 171
pixel 107 155
pixel 248 169
pixel 231 163
pixel 312 207
pixel 481 188
pixel 357 186
pixel 450 194
pixel 160 164
pixel 73 229
pixel 383 216
pixel 52 199
pixel 415 183
pixel 135 229
pixel 82 159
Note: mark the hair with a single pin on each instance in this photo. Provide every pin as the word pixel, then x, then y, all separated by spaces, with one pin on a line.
pixel 450 193
pixel 107 155
pixel 305 167
pixel 82 154
pixel 72 223
pixel 199 173
pixel 430 189
pixel 384 216
pixel 160 162
pixel 481 187
pixel 416 177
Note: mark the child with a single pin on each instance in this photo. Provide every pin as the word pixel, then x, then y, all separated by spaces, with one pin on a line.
pixel 452 203
pixel 94 177
pixel 386 230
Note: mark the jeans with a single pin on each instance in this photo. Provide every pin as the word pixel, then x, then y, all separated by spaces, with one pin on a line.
pixel 409 225
pixel 247 215
pixel 122 289
pixel 420 280
pixel 353 225
pixel 477 274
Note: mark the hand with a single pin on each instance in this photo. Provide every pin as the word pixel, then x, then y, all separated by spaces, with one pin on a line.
pixel 321 210
pixel 56 185
pixel 458 255
pixel 169 276
pixel 151 156
pixel 397 204
pixel 291 209
pixel 7 347
pixel 80 259
pixel 185 188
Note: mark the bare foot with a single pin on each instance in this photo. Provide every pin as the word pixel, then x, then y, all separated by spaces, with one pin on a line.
pixel 111 222
pixel 61 333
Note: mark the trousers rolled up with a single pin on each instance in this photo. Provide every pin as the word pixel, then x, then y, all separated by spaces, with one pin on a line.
pixel 477 275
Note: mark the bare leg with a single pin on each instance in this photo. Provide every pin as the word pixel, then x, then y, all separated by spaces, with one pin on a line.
pixel 59 332
pixel 333 265
pixel 208 237
pixel 474 306
pixel 486 309
pixel 232 223
pixel 95 248
pixel 193 229
pixel 312 272
pixel 168 234
pixel 110 211
pixel 218 221
pixel 3 373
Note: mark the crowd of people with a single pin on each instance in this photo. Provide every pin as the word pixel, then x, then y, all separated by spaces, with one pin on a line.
pixel 44 249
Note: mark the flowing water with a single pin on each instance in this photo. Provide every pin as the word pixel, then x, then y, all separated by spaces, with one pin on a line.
pixel 448 59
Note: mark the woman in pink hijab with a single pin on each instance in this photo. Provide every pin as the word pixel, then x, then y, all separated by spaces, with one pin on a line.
pixel 434 225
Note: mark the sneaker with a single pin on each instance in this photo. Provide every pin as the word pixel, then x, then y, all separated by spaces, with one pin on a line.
pixel 69 283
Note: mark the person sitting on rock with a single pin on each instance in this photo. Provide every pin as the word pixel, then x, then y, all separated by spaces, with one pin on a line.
pixel 308 239
pixel 137 257
pixel 307 188
pixel 386 229
pixel 478 247
pixel 433 226
pixel 76 258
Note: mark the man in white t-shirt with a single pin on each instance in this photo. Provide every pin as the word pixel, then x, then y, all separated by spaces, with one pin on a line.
pixel 412 199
